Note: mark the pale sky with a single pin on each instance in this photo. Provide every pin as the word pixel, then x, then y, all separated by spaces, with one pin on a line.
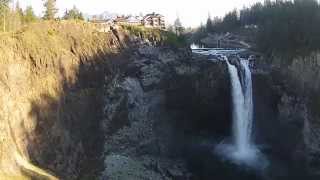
pixel 191 13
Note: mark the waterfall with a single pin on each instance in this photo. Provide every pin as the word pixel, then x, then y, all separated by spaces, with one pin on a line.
pixel 242 111
pixel 241 107
pixel 242 149
pixel 248 103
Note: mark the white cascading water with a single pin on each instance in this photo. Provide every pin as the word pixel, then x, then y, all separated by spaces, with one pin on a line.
pixel 248 103
pixel 242 150
pixel 240 110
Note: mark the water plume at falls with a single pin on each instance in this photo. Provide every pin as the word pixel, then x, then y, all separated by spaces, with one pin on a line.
pixel 242 109
pixel 242 149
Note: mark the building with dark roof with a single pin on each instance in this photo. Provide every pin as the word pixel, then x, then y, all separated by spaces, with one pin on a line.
pixel 154 20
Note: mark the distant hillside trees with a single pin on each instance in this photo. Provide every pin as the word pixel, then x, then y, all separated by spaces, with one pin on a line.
pixel 230 21
pixel 285 26
pixel 218 25
pixel 209 25
pixel 12 19
pixel 291 27
pixel 74 14
pixel 198 34
pixel 50 9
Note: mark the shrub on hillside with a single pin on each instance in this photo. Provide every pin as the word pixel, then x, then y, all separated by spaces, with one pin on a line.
pixel 157 36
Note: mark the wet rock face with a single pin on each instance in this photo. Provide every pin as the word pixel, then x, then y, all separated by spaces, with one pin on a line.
pixel 155 105
pixel 202 98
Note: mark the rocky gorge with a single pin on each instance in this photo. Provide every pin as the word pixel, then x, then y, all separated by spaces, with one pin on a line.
pixel 293 95
pixel 80 104
pixel 150 111
pixel 191 112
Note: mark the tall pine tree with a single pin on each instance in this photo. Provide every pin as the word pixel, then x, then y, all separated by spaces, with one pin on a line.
pixel 51 9
pixel 209 25
pixel 29 15
pixel 74 13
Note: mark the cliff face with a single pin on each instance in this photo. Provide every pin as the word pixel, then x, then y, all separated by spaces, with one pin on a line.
pixel 75 103
pixel 162 102
pixel 156 108
pixel 303 99
pixel 83 104
pixel 52 77
pixel 287 103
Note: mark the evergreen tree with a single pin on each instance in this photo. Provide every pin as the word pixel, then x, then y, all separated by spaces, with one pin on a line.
pixel 74 13
pixel 18 9
pixel 230 21
pixel 29 15
pixel 51 9
pixel 209 25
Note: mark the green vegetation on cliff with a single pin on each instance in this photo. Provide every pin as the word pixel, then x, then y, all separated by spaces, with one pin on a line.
pixel 157 36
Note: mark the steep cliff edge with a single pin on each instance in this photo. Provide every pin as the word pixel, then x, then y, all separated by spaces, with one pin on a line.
pixel 79 104
pixel 287 106
pixel 52 77
pixel 157 108
pixel 76 102
pixel 302 99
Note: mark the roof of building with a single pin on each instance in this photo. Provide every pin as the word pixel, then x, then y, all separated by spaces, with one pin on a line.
pixel 152 15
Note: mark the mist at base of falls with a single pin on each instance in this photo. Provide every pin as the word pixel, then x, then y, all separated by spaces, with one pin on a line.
pixel 251 157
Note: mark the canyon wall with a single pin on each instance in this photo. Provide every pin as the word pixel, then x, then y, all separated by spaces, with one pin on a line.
pixel 76 102
pixel 80 104
pixel 287 108
pixel 157 108
pixel 52 77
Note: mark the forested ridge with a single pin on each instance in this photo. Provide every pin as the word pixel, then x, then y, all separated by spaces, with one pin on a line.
pixel 287 27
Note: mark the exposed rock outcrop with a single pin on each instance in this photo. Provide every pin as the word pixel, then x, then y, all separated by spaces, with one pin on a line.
pixel 287 106
pixel 155 107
